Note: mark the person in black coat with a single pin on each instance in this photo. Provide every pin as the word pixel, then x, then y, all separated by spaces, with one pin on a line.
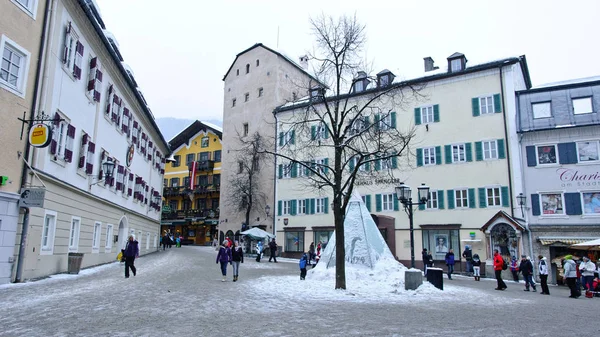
pixel 273 248
pixel 237 256
pixel 526 268
pixel 427 260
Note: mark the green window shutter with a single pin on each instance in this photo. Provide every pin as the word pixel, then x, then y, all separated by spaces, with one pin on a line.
pixel 469 152
pixel 366 121
pixel 393 113
pixel 378 203
pixel 367 164
pixel 472 198
pixel 394 162
pixel 376 122
pixel 478 151
pixel 351 164
pixel 326 162
pixel 281 139
pixel 504 195
pixel 438 155
pixel 450 194
pixel 421 207
pixel 279 207
pixel 497 104
pixel 325 131
pixel 482 198
pixel 501 152
pixel 280 171
pixel 419 157
pixel 417 116
pixel 293 208
pixel 377 164
pixel 368 202
pixel 448 151
pixel 440 199
pixel 313 132
pixel 312 206
pixel 294 170
pixel 436 113
pixel 307 203
pixel 475 103
pixel 326 207
pixel 293 137
pixel 396 205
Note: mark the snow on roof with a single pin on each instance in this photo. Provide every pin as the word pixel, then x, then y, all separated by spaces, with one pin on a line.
pixel 111 37
pixel 218 128
pixel 566 82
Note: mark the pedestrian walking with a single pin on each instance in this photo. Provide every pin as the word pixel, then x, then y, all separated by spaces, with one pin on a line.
pixel 476 267
pixel 498 267
pixel 450 263
pixel 273 248
pixel 526 268
pixel 311 253
pixel 427 260
pixel 543 270
pixel 514 268
pixel 259 250
pixel 587 269
pixel 165 240
pixel 570 273
pixel 178 242
pixel 131 252
pixel 237 256
pixel 224 257
pixel 468 255
pixel 302 264
pixel 215 242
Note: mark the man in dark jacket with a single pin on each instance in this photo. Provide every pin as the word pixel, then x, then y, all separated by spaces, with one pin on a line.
pixel 450 263
pixel 273 248
pixel 526 268
pixel 130 252
pixel 427 260
pixel 468 255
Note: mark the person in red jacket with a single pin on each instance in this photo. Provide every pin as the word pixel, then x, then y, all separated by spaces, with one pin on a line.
pixel 498 264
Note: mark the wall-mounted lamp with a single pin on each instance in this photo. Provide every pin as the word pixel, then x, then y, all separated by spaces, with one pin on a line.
pixel 108 169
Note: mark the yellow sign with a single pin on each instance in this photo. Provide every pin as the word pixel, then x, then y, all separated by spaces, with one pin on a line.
pixel 40 135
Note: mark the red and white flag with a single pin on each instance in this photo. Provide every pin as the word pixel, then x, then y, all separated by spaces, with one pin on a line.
pixel 193 175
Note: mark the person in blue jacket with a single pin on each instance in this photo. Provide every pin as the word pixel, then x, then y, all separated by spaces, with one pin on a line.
pixel 302 264
pixel 130 252
pixel 450 263
pixel 224 257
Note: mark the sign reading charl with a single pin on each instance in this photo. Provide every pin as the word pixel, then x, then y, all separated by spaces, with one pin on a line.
pixel 578 178
pixel 40 135
pixel 130 152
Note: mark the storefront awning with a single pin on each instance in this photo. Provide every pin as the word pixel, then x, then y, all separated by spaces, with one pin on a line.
pixel 548 240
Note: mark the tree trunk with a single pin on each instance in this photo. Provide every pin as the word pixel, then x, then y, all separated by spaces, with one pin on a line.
pixel 340 249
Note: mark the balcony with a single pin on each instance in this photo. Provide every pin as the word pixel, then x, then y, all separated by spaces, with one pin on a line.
pixel 173 191
pixel 210 188
pixel 203 165
pixel 190 213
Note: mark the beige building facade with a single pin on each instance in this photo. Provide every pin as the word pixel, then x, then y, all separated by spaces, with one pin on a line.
pixel 21 25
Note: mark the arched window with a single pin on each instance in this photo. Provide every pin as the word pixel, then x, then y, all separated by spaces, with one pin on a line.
pixel 247 68
pixel 504 238
pixel 257 63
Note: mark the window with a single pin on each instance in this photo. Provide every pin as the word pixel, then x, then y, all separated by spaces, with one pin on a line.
pixel 440 241
pixel 387 202
pixel 385 123
pixel 189 158
pixel 186 181
pixel 72 52
pixel 427 114
pixel 109 237
pixel 490 150
pixel 546 154
pixel 256 164
pixel 552 203
pixel 237 72
pixel 165 182
pixel 204 156
pixel 245 129
pixel 287 207
pixel 301 207
pixel 14 66
pixel 174 182
pixel 241 167
pixel 147 241
pixel 384 80
pixel 233 102
pixel 322 236
pixel 387 163
pixel 96 236
pixel 429 156
pixel 493 196
pixel 177 161
pixel 582 105
pixel 294 96
pixel 461 198
pixel 455 65
pixel 458 153
pixel 260 92
pixel 48 232
pixel 257 63
pixel 29 6
pixel 486 105
pixel 541 110
pixel 591 202
pixel 358 126
pixel 294 241
pixel 205 142
pixel 587 151
pixel 359 86
pixel 74 234
pixel 247 68
pixel 320 205
pixel 246 97
pixel 432 203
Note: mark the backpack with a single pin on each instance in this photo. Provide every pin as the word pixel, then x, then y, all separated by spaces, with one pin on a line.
pixel 504 265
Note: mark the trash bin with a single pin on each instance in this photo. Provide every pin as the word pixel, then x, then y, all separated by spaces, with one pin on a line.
pixel 75 263
pixel 435 276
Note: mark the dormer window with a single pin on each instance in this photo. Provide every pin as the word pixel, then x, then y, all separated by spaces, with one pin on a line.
pixel 455 65
pixel 456 62
pixel 316 93
pixel 359 86
pixel 384 78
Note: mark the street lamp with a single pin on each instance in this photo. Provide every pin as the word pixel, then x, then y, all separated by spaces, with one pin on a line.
pixel 522 201
pixel 403 193
pixel 267 210
pixel 108 167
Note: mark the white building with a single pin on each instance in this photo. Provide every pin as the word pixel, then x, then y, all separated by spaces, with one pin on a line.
pixel 98 115
pixel 465 149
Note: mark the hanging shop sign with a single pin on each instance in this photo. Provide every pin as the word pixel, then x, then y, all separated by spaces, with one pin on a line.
pixel 130 152
pixel 32 197
pixel 40 135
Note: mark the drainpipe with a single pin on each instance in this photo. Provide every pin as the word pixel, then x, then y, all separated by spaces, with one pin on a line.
pixel 510 187
pixel 275 173
pixel 34 103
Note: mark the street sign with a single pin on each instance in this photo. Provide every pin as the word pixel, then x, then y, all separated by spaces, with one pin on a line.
pixel 32 197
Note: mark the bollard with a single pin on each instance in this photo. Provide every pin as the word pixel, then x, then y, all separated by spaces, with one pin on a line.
pixel 413 279
pixel 435 276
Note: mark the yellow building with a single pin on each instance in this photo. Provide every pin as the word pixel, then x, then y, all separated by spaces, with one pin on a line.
pixel 192 184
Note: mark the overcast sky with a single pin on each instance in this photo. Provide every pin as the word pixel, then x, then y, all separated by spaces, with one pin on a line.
pixel 179 50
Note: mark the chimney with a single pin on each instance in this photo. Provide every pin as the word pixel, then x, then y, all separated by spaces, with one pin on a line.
pixel 429 64
pixel 304 62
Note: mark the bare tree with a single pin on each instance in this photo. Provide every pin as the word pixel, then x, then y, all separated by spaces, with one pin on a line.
pixel 349 117
pixel 245 193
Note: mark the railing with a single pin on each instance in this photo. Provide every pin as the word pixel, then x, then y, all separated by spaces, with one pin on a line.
pixel 198 189
pixel 190 213
pixel 203 165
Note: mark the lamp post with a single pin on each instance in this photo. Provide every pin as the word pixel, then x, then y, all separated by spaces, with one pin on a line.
pixel 108 167
pixel 522 200
pixel 403 193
